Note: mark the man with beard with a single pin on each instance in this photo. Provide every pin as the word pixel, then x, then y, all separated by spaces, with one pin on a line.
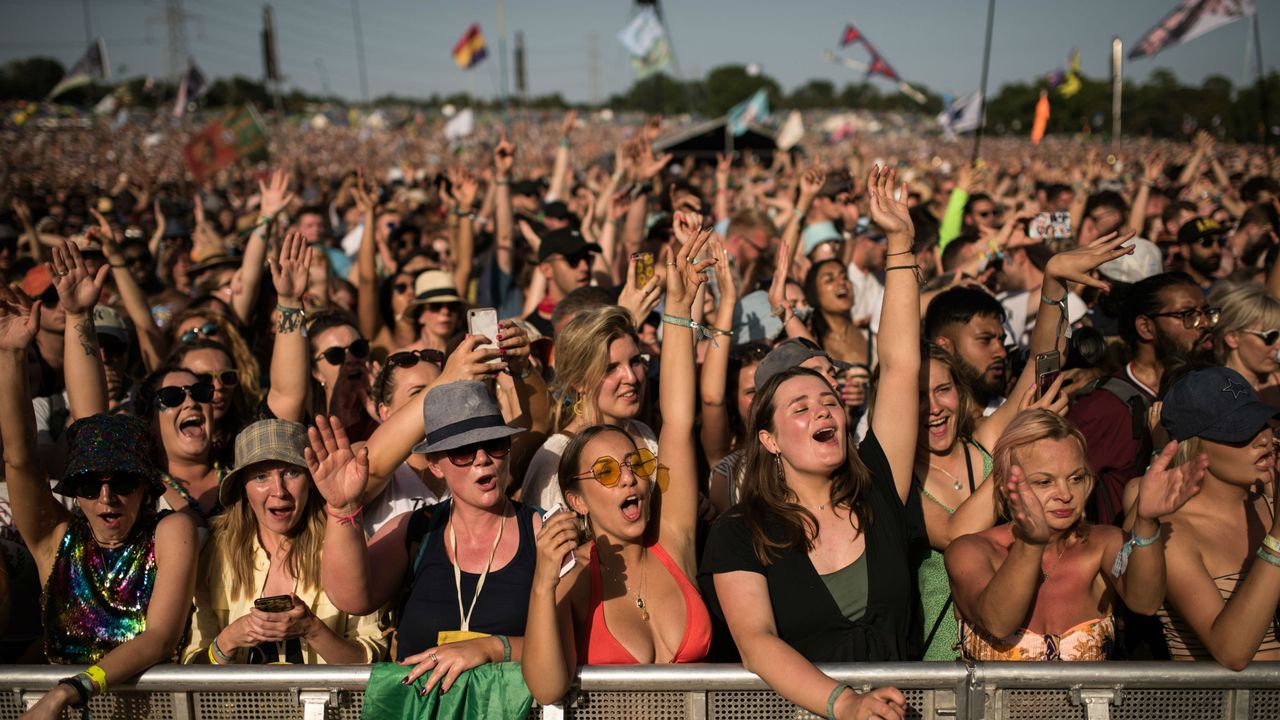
pixel 1163 319
pixel 969 324
pixel 1202 240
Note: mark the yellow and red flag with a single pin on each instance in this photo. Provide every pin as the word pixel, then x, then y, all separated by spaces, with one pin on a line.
pixel 470 48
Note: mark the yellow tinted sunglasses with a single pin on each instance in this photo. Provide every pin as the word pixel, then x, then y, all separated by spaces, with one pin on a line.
pixel 607 471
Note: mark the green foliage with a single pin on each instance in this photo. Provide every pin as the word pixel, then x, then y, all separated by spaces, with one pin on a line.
pixel 29 79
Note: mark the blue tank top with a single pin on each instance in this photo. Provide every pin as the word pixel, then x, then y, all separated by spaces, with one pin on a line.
pixel 432 605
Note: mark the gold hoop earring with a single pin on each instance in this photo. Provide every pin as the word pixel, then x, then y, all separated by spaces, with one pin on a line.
pixel 578 407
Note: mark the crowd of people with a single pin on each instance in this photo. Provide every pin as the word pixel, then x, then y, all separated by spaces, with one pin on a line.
pixel 556 398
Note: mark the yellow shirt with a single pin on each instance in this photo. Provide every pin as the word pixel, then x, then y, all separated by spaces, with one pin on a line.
pixel 215 609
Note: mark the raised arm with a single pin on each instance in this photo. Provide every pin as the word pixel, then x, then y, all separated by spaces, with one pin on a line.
pixel 78 293
pixel 676 391
pixel 560 169
pixel 810 185
pixel 464 189
pixel 151 342
pixel 34 246
pixel 290 357
pixel 717 438
pixel 39 517
pixel 724 166
pixel 367 310
pixel 275 196
pixel 1151 174
pixel 897 407
pixel 504 157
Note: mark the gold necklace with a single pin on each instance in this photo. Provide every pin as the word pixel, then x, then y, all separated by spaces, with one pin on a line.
pixel 639 597
pixel 1062 548
pixel 955 481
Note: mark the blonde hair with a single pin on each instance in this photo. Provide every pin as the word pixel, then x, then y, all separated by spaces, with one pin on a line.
pixel 1244 306
pixel 1028 427
pixel 582 356
pixel 235 532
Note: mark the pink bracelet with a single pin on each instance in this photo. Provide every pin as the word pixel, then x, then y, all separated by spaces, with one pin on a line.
pixel 353 519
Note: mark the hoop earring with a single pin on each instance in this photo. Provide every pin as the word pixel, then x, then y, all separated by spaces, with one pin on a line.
pixel 578 407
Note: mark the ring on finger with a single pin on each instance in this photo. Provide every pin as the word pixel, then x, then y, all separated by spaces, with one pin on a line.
pixel 434 659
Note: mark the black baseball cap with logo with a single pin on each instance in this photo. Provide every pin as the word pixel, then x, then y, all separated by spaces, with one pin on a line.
pixel 565 242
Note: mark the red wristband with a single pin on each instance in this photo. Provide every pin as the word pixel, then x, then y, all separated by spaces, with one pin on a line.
pixel 352 519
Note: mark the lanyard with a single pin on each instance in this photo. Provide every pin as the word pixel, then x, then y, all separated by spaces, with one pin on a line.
pixel 457 571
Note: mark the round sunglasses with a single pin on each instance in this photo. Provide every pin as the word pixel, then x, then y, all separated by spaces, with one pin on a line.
pixel 409 358
pixel 607 471
pixel 466 456
pixel 90 488
pixel 336 355
pixel 204 331
pixel 226 378
pixel 173 396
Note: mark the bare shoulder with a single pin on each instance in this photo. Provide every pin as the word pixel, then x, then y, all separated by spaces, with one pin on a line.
pixel 988 544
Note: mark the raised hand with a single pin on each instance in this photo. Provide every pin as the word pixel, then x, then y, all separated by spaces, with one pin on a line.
pixel 107 237
pixel 893 216
pixel 19 320
pixel 78 291
pixel 275 195
pixel 647 164
pixel 339 474
pixel 1153 171
pixel 689 273
pixel 1162 490
pixel 1075 265
pixel 513 346
pixel 365 194
pixel 640 301
pixel 568 123
pixel 1028 514
pixel 1053 399
pixel 504 156
pixel 811 182
pixel 724 278
pixel 463 187
pixel 724 164
pixel 686 225
pixel 558 537
pixel 292 270
pixel 470 361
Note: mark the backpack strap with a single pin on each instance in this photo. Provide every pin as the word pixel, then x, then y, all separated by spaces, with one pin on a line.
pixel 1134 398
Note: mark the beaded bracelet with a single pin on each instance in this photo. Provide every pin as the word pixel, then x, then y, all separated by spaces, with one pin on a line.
pixel 831 699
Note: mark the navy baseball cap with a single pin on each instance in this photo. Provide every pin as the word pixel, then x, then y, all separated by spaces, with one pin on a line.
pixel 1215 404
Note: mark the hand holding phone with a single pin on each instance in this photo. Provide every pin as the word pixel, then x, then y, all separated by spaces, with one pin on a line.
pixel 274 604
pixel 484 323
pixel 644 268
pixel 570 560
pixel 1048 368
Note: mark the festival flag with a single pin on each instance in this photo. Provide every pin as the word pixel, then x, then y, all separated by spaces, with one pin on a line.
pixel 470 48
pixel 190 88
pixel 1071 79
pixel 1190 20
pixel 752 110
pixel 792 131
pixel 1042 118
pixel 850 36
pixel 460 126
pixel 879 67
pixel 962 114
pixel 91 66
pixel 646 41
pixel 239 133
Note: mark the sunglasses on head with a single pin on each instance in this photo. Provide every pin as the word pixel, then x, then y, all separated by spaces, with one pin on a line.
pixel 465 456
pixel 336 355
pixel 1208 242
pixel 89 488
pixel 226 378
pixel 643 464
pixel 203 331
pixel 1268 337
pixel 409 358
pixel 173 396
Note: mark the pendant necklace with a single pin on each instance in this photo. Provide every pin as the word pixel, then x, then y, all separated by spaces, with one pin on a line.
pixel 639 597
pixel 1062 548
pixel 955 481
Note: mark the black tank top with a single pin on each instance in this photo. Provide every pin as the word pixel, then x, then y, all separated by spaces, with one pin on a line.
pixel 432 604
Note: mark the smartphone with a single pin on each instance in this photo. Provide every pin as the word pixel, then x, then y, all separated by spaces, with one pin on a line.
pixel 569 558
pixel 1048 368
pixel 644 268
pixel 484 321
pixel 274 604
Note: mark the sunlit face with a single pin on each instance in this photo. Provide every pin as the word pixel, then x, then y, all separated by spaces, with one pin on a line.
pixel 213 363
pixel 794 295
pixel 568 273
pixel 311 225
pixel 980 344
pixel 746 390
pixel 277 494
pixel 185 430
pixel 1250 349
pixel 834 291
pixel 409 384
pixel 1058 475
pixel 352 368
pixel 940 409
pixel 621 511
pixel 440 320
pixel 1171 334
pixel 112 516
pixel 622 388
pixel 984 214
pixel 808 426
pixel 481 484
pixel 1245 463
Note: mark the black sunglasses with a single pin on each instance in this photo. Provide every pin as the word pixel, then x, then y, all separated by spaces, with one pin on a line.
pixel 336 355
pixel 465 456
pixel 195 333
pixel 1268 338
pixel 173 396
pixel 1208 242
pixel 137 259
pixel 401 287
pixel 409 358
pixel 577 258
pixel 226 378
pixel 90 488
pixel 49 298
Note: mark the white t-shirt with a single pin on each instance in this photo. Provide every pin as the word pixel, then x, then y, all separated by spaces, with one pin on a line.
pixel 1020 326
pixel 868 295
pixel 405 492
pixel 541 483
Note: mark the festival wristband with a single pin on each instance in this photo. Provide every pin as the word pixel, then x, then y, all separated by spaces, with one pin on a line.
pixel 1267 557
pixel 98 676
pixel 353 519
pixel 77 683
pixel 506 647
pixel 1121 564
pixel 216 655
pixel 1270 542
pixel 705 331
pixel 831 699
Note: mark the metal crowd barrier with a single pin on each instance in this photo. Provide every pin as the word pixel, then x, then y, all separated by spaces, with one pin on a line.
pixel 950 691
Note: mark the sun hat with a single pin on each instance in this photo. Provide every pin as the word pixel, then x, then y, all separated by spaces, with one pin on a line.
pixel 264 441
pixel 434 286
pixel 458 414
pixel 108 445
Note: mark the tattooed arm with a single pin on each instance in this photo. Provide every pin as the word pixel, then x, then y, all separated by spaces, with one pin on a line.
pixel 82 365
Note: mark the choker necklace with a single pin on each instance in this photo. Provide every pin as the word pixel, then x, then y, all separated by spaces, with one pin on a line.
pixel 955 481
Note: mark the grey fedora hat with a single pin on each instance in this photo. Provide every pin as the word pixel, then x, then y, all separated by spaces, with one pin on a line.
pixel 458 414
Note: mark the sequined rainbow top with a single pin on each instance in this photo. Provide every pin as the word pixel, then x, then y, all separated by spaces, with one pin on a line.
pixel 96 598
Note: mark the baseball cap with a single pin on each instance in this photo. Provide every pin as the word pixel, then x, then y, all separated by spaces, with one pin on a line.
pixel 106 321
pixel 564 242
pixel 817 234
pixel 1215 404
pixel 1145 261
pixel 1197 228
pixel 37 280
pixel 787 354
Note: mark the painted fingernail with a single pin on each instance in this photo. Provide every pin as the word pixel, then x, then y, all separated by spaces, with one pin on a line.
pixel 502 351
pixel 406 680
pixel 499 336
pixel 423 692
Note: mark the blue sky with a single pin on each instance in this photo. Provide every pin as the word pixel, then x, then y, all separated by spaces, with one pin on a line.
pixel 408 42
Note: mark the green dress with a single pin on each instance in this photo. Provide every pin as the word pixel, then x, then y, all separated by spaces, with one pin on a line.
pixel 935 590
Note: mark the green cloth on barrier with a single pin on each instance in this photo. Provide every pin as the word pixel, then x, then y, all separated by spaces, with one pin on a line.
pixel 492 690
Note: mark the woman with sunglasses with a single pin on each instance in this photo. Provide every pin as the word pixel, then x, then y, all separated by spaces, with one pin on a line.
pixel 339 357
pixel 1247 336
pixel 438 308
pixel 381 307
pixel 469 560
pixel 118 577
pixel 819 512
pixel 211 362
pixel 631 599
pixel 274 511
pixel 205 323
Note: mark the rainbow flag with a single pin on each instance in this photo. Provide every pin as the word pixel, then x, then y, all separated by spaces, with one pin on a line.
pixel 470 48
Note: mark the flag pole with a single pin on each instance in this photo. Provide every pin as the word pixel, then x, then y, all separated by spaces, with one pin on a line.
pixel 1263 106
pixel 1117 85
pixel 502 62
pixel 982 96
